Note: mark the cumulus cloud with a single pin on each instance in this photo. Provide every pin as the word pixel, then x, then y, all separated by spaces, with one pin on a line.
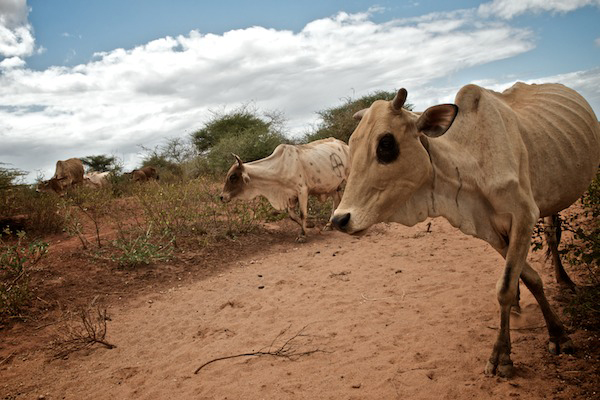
pixel 126 97
pixel 16 37
pixel 168 87
pixel 511 8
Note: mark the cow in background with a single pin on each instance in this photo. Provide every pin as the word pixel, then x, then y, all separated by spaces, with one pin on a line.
pixel 96 179
pixel 289 175
pixel 68 173
pixel 144 174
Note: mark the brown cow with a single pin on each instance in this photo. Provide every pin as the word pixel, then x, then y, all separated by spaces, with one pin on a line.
pixel 144 174
pixel 68 173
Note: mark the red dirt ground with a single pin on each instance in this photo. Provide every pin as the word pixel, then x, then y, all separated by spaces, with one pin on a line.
pixel 398 313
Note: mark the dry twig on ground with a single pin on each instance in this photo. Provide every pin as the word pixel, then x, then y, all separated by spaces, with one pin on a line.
pixel 90 329
pixel 287 349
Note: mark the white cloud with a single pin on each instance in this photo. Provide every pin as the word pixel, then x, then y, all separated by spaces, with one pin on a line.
pixel 587 83
pixel 167 87
pixel 12 62
pixel 16 37
pixel 511 8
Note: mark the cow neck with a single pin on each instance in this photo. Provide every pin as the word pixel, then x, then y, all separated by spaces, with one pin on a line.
pixel 269 180
pixel 263 171
pixel 451 192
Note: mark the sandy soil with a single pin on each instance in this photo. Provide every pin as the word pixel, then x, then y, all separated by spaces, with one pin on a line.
pixel 396 314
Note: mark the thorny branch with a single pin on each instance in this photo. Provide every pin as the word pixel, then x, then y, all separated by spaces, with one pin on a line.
pixel 286 350
pixel 90 330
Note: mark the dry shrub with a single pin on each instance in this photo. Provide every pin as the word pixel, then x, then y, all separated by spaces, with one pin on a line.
pixel 17 257
pixel 192 209
pixel 81 330
pixel 37 211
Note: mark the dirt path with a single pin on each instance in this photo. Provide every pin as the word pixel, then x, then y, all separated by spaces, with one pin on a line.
pixel 396 314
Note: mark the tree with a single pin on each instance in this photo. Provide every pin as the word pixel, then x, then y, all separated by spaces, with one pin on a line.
pixel 101 163
pixel 243 131
pixel 9 176
pixel 338 122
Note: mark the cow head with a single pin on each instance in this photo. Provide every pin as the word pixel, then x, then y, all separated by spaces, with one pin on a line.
pixel 56 185
pixel 389 161
pixel 236 181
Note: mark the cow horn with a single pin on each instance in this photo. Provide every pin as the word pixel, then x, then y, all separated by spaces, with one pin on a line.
pixel 399 99
pixel 239 160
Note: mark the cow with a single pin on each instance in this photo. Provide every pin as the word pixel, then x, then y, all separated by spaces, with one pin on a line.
pixel 96 179
pixel 144 174
pixel 289 175
pixel 68 173
pixel 492 164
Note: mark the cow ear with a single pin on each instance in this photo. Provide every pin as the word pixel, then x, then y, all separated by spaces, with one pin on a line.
pixel 436 120
pixel 246 177
pixel 239 160
pixel 359 114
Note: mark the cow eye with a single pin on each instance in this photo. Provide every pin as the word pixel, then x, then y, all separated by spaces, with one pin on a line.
pixel 233 178
pixel 387 149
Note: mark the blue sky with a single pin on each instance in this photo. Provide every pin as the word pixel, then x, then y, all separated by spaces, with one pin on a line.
pixel 80 78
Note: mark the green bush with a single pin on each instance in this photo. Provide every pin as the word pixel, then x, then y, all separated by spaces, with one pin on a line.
pixel 243 131
pixel 136 249
pixel 16 258
pixel 338 122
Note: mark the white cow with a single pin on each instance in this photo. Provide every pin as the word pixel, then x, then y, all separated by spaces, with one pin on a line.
pixel 492 164
pixel 96 179
pixel 289 175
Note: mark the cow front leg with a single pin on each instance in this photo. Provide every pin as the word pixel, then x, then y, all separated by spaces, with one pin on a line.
pixel 337 198
pixel 300 221
pixel 499 362
pixel 519 239
pixel 559 340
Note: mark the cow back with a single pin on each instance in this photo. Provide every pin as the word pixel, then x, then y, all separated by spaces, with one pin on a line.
pixel 546 137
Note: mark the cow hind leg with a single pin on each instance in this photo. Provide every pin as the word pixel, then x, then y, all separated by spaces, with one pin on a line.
pixel 559 340
pixel 552 234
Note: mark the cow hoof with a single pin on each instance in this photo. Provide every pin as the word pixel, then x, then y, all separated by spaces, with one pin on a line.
pixel 506 370
pixel 490 369
pixel 327 227
pixel 563 345
pixel 301 239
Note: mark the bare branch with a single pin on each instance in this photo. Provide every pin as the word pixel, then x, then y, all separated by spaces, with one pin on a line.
pixel 286 350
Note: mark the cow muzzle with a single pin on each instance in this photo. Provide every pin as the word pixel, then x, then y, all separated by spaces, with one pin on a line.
pixel 225 198
pixel 340 221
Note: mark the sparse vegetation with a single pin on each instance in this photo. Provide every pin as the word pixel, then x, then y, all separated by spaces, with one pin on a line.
pixel 140 248
pixel 580 248
pixel 17 257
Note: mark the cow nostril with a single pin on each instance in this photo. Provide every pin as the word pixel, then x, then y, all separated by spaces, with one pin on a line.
pixel 341 221
pixel 222 198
